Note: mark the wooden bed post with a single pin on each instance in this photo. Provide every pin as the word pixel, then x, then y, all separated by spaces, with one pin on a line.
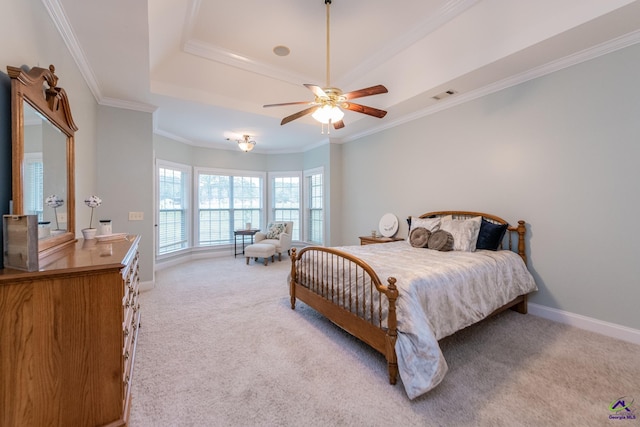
pixel 292 281
pixel 392 331
pixel 521 231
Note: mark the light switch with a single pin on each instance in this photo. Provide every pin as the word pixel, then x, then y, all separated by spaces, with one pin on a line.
pixel 136 216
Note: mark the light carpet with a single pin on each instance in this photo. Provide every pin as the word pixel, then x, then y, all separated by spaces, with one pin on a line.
pixel 220 346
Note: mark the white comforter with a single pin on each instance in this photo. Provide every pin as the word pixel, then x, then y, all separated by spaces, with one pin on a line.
pixel 441 293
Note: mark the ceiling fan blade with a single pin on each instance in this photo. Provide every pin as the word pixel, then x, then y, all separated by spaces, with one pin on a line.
pixel 297 115
pixel 286 103
pixel 338 125
pixel 317 90
pixel 364 109
pixel 373 90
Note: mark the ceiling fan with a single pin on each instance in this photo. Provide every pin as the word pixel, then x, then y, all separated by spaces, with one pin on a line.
pixel 326 107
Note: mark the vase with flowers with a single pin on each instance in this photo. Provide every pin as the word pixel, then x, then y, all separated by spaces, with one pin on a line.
pixel 93 202
pixel 54 202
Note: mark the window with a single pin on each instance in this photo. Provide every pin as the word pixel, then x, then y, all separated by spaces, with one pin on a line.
pixel 314 206
pixel 227 201
pixel 33 184
pixel 286 200
pixel 173 207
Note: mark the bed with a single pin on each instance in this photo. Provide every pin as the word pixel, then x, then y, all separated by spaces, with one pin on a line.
pixel 428 293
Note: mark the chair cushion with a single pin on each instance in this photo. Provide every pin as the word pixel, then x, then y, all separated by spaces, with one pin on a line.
pixel 273 242
pixel 274 230
pixel 259 250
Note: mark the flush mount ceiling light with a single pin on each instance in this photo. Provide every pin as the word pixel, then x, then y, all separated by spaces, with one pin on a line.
pixel 329 101
pixel 246 144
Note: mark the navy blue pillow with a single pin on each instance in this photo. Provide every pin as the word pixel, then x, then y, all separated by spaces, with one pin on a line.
pixel 490 235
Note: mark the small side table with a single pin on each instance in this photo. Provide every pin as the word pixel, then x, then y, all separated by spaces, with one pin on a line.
pixel 370 240
pixel 242 233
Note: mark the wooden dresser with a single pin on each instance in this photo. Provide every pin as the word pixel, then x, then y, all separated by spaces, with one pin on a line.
pixel 68 337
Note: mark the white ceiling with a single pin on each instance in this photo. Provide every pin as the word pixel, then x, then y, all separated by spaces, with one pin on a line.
pixel 206 68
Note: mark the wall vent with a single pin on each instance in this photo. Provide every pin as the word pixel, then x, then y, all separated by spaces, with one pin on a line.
pixel 445 94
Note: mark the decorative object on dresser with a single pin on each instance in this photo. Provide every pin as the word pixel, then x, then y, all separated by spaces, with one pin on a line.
pixel 69 333
pixel 93 202
pixel 415 308
pixel 38 103
pixel 54 202
pixel 20 246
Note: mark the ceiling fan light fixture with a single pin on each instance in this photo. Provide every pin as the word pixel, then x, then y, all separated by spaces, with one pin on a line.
pixel 328 114
pixel 246 144
pixel 329 102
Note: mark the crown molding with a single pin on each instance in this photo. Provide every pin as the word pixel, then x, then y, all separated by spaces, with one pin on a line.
pixel 171 136
pixel 548 68
pixel 227 57
pixel 128 105
pixel 59 18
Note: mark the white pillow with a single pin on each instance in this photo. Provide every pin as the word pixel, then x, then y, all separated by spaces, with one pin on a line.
pixel 431 224
pixel 464 232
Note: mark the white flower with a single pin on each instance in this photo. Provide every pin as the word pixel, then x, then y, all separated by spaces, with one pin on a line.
pixel 92 202
pixel 54 201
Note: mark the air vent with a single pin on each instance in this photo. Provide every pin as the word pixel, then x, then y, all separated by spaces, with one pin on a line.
pixel 443 95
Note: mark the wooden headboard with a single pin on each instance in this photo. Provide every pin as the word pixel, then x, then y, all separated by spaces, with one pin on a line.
pixel 515 233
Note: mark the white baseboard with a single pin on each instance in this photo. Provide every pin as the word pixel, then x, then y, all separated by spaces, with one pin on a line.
pixel 146 286
pixel 583 322
pixel 189 256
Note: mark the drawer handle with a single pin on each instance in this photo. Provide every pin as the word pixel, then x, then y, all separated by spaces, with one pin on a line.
pixel 126 332
pixel 126 356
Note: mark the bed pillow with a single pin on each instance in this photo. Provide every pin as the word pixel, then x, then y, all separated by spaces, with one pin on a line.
pixel 441 240
pixel 275 230
pixel 419 237
pixel 490 235
pixel 431 224
pixel 464 232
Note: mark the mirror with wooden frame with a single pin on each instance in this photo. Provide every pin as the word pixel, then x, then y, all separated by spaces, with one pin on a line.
pixel 43 155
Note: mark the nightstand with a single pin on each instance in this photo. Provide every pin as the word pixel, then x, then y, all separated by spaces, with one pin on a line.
pixel 370 240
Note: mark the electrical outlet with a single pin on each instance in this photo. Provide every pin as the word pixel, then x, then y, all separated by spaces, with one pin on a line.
pixel 136 216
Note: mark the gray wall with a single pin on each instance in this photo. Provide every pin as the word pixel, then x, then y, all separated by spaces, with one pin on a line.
pixel 125 178
pixel 559 151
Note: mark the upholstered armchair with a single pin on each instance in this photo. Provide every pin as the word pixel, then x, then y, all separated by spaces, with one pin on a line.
pixel 281 240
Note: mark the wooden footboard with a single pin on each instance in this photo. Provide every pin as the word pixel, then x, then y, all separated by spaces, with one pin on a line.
pixel 348 292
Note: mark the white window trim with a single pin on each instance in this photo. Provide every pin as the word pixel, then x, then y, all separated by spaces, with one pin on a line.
pixel 188 182
pixel 307 173
pixel 271 201
pixel 197 170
